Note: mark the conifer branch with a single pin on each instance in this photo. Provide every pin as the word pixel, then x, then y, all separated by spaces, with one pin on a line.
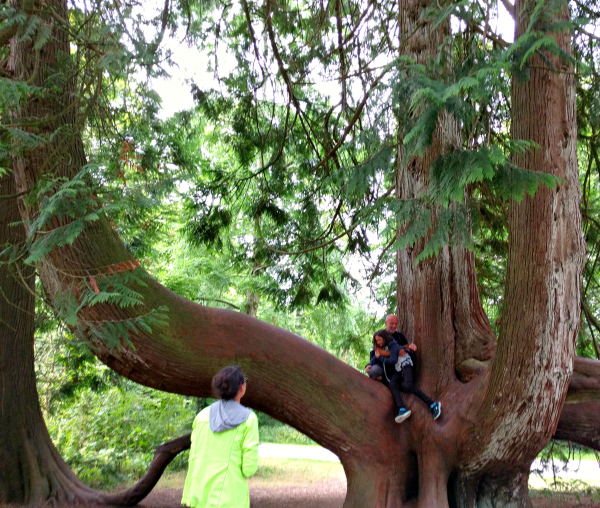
pixel 161 34
pixel 585 32
pixel 376 270
pixel 340 28
pixel 352 122
pixel 346 232
pixel 253 38
pixel 225 302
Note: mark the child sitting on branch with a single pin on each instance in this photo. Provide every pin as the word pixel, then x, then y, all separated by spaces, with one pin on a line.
pixel 392 364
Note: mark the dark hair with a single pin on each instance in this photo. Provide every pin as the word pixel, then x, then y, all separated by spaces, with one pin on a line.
pixel 385 335
pixel 227 383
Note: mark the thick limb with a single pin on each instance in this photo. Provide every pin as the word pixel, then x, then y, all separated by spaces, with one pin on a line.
pixel 381 485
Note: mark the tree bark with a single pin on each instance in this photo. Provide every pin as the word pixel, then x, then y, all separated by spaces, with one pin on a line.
pixel 516 396
pixel 580 417
pixel 483 437
pixel 251 305
pixel 533 363
pixel 32 471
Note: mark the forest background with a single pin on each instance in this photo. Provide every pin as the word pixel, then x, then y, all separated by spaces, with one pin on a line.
pixel 220 211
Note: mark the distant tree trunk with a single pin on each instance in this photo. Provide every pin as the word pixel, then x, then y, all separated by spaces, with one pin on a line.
pixel 251 305
pixel 497 413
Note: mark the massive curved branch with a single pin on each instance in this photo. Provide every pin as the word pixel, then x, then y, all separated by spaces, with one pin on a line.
pixel 292 379
pixel 580 417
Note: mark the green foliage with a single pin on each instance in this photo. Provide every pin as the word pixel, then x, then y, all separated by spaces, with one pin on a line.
pixel 273 431
pixel 70 202
pixel 113 333
pixel 106 427
pixel 109 437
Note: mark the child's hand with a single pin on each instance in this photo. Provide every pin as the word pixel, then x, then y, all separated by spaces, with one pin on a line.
pixel 377 353
pixel 412 347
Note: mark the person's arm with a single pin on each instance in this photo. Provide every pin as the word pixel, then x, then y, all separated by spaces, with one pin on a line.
pixel 383 352
pixel 402 340
pixel 394 351
pixel 250 447
pixel 371 358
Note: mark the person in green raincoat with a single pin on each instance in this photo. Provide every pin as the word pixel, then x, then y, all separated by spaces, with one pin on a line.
pixel 224 449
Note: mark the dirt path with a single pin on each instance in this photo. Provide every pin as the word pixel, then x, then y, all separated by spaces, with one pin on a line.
pixel 317 495
pixel 329 494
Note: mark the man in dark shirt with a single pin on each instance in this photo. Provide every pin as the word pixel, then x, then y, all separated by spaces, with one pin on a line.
pixel 391 323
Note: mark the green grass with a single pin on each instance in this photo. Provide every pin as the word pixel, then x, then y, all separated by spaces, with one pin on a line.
pixel 293 472
pixel 565 490
pixel 273 472
pixel 283 434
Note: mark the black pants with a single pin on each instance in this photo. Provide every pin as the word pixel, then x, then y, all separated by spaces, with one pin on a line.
pixel 403 382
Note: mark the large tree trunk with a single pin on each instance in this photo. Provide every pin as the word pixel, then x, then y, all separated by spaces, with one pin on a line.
pixel 32 471
pixel 516 398
pixel 533 364
pixel 476 447
pixel 24 450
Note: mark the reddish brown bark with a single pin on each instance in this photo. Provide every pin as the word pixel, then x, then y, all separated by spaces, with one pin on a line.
pixel 32 471
pixel 481 446
pixel 580 417
pixel 510 405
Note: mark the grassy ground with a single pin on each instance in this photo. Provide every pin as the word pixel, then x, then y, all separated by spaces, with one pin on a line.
pixel 283 434
pixel 292 472
pixel 560 489
pixel 275 472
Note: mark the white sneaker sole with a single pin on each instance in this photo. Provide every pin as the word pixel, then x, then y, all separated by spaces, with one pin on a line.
pixel 400 419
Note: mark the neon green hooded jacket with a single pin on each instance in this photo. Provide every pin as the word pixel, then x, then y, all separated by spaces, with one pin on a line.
pixel 219 464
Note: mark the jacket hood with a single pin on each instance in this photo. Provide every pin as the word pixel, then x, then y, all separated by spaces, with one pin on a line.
pixel 227 414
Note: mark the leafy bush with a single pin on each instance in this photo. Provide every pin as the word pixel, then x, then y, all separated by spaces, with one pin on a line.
pixel 109 438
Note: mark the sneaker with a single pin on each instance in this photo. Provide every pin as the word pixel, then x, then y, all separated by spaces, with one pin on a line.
pixel 403 414
pixel 436 410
